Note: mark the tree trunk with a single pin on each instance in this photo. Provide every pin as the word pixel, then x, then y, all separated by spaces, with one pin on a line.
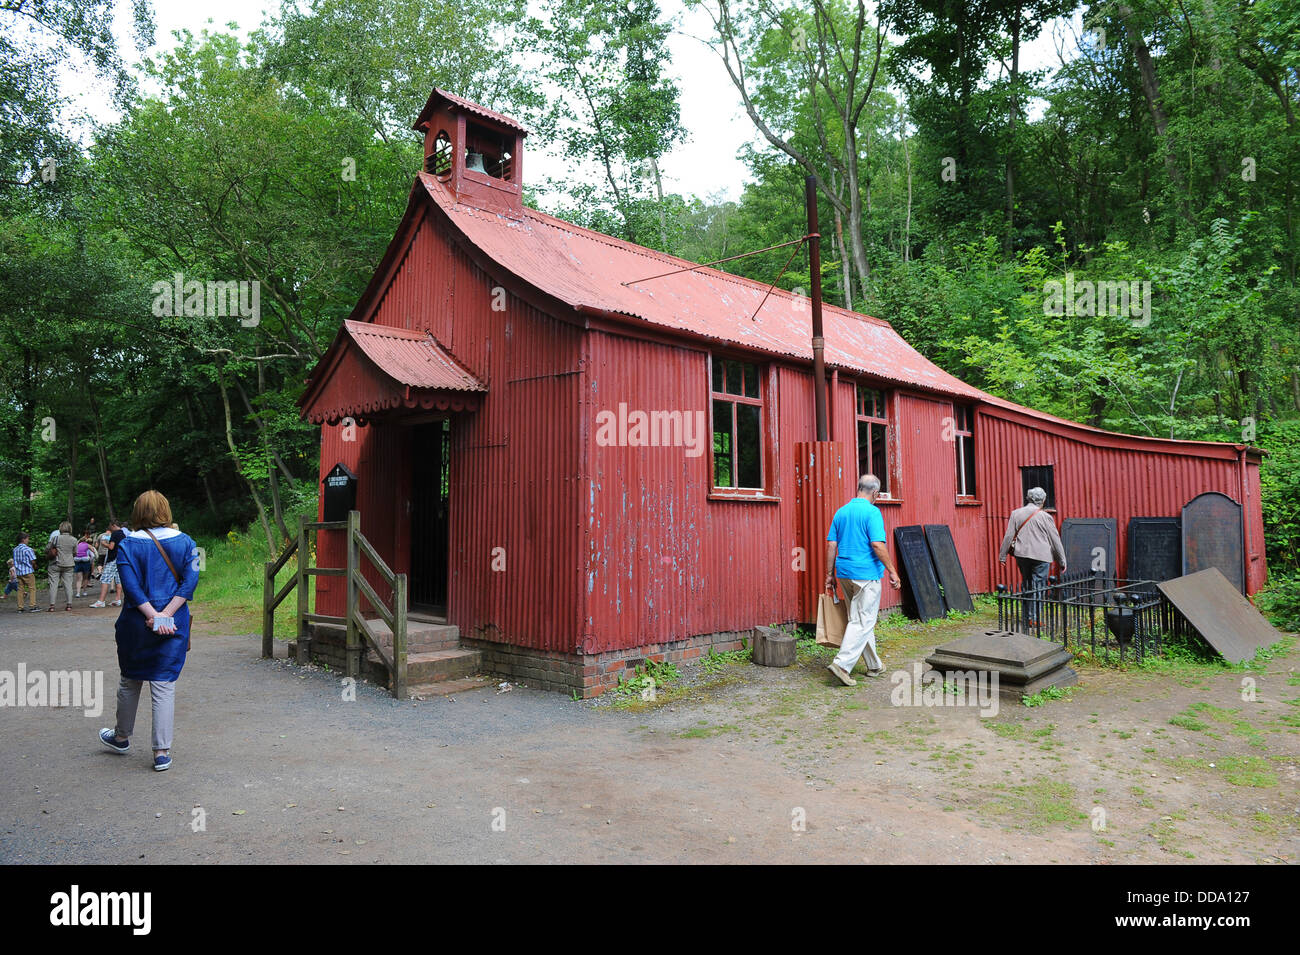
pixel 844 263
pixel 203 474
pixel 101 457
pixel 907 229
pixel 1151 92
pixel 27 414
pixel 1011 127
pixel 73 447
pixel 234 457
pixel 659 192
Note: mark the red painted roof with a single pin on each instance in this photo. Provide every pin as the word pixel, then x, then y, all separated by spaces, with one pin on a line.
pixel 466 105
pixel 586 269
pixel 411 358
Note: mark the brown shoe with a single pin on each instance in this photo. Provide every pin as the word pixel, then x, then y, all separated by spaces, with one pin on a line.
pixel 842 676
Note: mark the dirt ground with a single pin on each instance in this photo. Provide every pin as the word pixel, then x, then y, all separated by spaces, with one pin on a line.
pixel 744 764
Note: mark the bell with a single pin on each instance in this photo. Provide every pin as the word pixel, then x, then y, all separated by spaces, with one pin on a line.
pixel 474 161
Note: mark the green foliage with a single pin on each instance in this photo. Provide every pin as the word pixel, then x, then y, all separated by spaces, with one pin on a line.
pixel 715 662
pixel 1044 696
pixel 1281 601
pixel 648 674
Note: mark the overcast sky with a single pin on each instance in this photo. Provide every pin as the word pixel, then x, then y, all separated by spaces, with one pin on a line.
pixel 705 165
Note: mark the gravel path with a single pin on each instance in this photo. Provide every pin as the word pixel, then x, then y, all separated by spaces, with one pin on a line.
pixel 285 771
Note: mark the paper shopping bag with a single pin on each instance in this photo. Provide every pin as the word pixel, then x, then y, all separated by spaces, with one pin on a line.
pixel 832 618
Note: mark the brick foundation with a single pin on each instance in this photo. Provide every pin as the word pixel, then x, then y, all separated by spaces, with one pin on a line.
pixel 329 648
pixel 592 674
pixel 589 675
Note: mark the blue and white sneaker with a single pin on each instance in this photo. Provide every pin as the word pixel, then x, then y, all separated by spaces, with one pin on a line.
pixel 162 763
pixel 109 738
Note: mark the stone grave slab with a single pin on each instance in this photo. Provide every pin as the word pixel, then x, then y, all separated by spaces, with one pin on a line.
pixel 921 594
pixel 1224 618
pixel 943 549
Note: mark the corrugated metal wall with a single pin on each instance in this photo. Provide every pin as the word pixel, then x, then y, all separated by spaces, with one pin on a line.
pixel 1093 480
pixel 819 476
pixel 662 560
pixel 614 547
pixel 515 463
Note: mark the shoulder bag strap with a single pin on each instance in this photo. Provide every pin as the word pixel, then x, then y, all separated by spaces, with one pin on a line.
pixel 1035 512
pixel 170 565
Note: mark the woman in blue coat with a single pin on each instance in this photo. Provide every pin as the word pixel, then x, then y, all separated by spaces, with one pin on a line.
pixel 158 568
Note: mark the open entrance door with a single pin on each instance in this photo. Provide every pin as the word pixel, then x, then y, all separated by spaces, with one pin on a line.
pixel 430 482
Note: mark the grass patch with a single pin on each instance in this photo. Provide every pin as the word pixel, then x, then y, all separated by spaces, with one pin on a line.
pixel 230 585
pixel 1047 695
pixel 1006 730
pixel 1200 716
pixel 1250 771
pixel 704 731
pixel 1035 806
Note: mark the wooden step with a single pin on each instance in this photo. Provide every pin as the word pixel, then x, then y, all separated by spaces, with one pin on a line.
pixel 420 636
pixel 430 666
pixel 428 691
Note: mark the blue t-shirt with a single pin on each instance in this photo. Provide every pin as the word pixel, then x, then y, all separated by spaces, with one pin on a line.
pixel 853 528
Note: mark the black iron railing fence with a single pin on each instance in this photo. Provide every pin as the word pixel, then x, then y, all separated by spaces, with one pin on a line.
pixel 1108 615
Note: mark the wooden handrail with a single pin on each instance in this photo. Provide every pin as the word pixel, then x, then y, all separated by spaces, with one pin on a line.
pixel 385 614
pixel 358 633
pixel 375 559
pixel 289 550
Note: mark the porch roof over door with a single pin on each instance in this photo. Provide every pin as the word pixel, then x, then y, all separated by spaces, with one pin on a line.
pixel 370 369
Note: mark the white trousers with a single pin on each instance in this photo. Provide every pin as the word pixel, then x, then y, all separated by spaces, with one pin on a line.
pixel 860 632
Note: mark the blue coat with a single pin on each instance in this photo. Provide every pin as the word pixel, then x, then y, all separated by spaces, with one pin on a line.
pixel 142 654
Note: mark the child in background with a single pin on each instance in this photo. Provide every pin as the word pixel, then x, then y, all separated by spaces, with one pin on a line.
pixel 12 585
pixel 85 556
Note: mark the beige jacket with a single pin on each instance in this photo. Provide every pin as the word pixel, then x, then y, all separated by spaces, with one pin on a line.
pixel 1037 540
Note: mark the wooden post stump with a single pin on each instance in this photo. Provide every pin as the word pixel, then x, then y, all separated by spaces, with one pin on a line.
pixel 773 648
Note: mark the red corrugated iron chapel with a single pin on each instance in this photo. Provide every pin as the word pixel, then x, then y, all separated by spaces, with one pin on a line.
pixel 580 467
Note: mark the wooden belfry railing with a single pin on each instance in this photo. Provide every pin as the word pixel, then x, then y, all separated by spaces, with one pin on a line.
pixel 357 586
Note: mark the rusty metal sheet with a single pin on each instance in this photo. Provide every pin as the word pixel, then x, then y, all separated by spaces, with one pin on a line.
pixel 921 595
pixel 412 357
pixel 1090 544
pixel 943 549
pixel 1155 548
pixel 819 490
pixel 1212 537
pixel 591 271
pixel 1220 614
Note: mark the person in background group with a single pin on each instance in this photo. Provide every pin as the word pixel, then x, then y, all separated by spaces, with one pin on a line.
pixel 101 550
pixel 12 585
pixel 108 576
pixel 25 570
pixel 62 564
pixel 83 562
pixel 159 576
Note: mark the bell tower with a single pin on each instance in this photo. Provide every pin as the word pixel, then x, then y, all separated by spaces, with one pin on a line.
pixel 476 153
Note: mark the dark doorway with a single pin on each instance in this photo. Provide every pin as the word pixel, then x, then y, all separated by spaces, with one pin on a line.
pixel 430 482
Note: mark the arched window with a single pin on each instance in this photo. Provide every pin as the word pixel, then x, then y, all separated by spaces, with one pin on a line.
pixel 438 162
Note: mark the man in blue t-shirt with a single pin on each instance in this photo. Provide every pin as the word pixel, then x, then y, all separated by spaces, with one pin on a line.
pixel 856 553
